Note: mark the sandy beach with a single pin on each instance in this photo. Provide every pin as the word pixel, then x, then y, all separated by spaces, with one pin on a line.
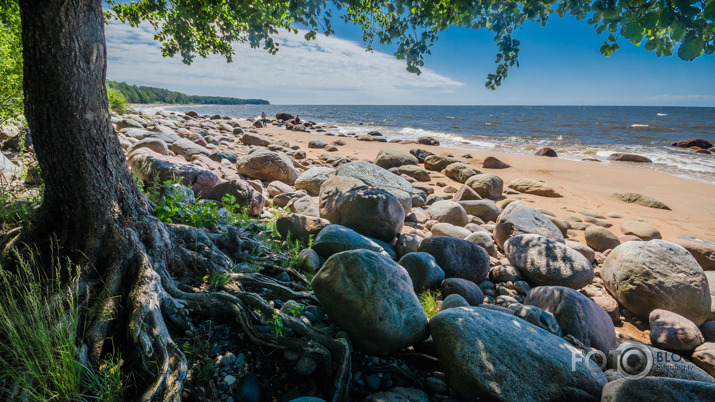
pixel 585 186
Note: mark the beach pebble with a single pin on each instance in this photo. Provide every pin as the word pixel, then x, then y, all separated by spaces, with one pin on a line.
pixel 319 144
pixel 584 249
pixel 655 274
pixel 704 357
pixel 484 240
pixel 642 230
pixel 449 230
pixel 466 193
pixel 414 172
pixel 371 297
pixel 420 154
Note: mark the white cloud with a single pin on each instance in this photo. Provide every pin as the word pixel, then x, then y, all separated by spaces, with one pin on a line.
pixel 326 70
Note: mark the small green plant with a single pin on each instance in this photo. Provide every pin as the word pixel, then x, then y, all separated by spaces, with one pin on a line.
pixel 218 279
pixel 276 325
pixel 430 302
pixel 296 310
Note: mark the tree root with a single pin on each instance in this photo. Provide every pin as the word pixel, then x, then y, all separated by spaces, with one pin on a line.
pixel 139 295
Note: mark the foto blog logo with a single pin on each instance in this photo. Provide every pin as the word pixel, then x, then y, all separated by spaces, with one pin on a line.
pixel 633 360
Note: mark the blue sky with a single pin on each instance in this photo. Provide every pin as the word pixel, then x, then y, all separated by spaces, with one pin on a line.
pixel 560 65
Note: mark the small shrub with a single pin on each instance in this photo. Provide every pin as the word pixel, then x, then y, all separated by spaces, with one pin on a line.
pixel 117 101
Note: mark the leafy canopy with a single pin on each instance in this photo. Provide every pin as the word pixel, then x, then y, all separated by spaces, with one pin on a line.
pixel 10 61
pixel 190 28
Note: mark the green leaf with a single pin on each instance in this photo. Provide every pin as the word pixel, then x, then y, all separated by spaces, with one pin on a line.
pixel 691 49
pixel 709 12
pixel 666 18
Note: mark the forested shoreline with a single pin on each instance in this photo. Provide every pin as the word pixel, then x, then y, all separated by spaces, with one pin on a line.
pixel 143 94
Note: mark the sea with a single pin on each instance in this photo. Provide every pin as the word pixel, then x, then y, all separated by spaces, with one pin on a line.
pixel 575 132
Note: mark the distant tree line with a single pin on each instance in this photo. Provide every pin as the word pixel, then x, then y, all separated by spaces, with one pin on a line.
pixel 142 94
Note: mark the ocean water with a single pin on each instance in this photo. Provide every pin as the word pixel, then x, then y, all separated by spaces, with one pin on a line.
pixel 575 132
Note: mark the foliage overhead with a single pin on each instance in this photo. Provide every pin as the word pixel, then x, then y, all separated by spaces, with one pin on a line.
pixel 10 61
pixel 190 28
pixel 142 94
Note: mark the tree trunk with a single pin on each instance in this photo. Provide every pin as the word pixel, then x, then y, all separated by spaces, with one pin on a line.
pixel 88 185
pixel 101 219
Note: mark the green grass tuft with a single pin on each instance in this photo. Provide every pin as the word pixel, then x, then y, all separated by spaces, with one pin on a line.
pixel 430 302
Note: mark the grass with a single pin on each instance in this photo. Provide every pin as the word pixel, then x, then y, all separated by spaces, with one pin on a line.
pixel 38 332
pixel 430 302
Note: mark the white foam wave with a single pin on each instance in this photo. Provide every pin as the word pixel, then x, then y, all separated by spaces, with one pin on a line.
pixel 661 114
pixel 640 125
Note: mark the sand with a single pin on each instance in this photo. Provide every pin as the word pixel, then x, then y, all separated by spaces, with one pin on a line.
pixel 585 185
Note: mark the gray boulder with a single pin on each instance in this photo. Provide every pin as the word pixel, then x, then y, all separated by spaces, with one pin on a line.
pixel 245 195
pixel 299 227
pixel 267 165
pixel 576 314
pixel 313 178
pixel 600 238
pixel 150 167
pixel 519 218
pixel 375 176
pixel 673 332
pixel 528 186
pixel 449 230
pixel 640 199
pixel 407 243
pixel 655 274
pixel 414 171
pixel 460 171
pixel 467 289
pixel 304 205
pixel 449 212
pixel 371 297
pixel 477 348
pixel 439 162
pixel 368 210
pixel 702 249
pixel 334 239
pixel 483 240
pixel 536 316
pixel 546 262
pixel 255 139
pixel 423 270
pixel 486 210
pixel 663 389
pixel 188 148
pixel 388 158
pixel 486 185
pixel 458 258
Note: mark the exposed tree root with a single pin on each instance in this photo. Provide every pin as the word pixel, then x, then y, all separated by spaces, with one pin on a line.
pixel 144 293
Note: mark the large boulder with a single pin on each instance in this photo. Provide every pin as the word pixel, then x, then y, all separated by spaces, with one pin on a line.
pixel 334 239
pixel 643 230
pixel 519 218
pixel 546 262
pixel 576 314
pixel 528 186
pixel 486 210
pixel 486 185
pixel 704 357
pixel 458 258
pixel 304 205
pixel 151 167
pixel 624 157
pixel 188 149
pixel 375 176
pixel 267 165
pixel 644 276
pixel 255 139
pixel 469 290
pixel 693 142
pixel 460 171
pixel 370 211
pixel 299 227
pixel 449 212
pixel 371 297
pixel 313 178
pixel 655 388
pixel 478 349
pixel 414 172
pixel 245 195
pixel 154 144
pixel 439 162
pixel 388 158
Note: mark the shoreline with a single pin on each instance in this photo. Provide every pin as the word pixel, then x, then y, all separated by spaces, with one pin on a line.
pixel 678 162
pixel 584 185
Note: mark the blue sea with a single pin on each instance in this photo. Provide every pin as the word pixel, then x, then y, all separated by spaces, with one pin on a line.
pixel 575 132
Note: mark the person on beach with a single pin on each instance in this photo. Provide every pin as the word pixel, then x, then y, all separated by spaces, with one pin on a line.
pixel 264 118
pixel 297 119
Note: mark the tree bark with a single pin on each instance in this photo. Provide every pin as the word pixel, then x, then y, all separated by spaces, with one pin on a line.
pixel 88 185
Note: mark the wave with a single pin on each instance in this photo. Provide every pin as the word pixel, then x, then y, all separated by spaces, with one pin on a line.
pixel 661 114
